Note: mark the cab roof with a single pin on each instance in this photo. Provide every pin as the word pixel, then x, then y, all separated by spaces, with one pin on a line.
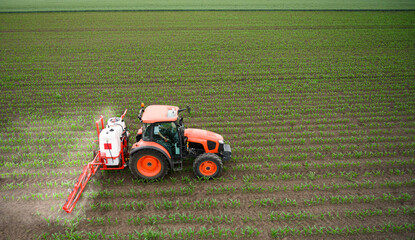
pixel 160 113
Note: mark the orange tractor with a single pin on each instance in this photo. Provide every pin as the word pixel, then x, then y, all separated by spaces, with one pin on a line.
pixel 162 143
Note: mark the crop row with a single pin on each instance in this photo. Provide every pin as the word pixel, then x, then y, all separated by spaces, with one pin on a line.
pixel 212 203
pixel 243 123
pixel 41 131
pixel 274 216
pixel 257 133
pixel 270 146
pixel 348 147
pixel 36 196
pixel 323 165
pixel 348 175
pixel 249 178
pixel 328 215
pixel 151 233
pixel 373 142
pixel 39 141
pixel 219 120
pixel 80 159
pixel 40 174
pixel 261 133
pixel 368 184
pixel 319 155
pixel 237 233
pixel 46 148
pixel 36 185
pixel 186 190
pixel 240 167
pixel 310 120
pixel 282 232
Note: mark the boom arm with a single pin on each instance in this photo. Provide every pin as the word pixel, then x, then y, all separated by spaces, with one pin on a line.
pixel 87 172
pixel 83 179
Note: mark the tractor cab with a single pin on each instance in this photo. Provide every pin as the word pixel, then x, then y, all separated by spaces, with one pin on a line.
pixel 163 140
pixel 162 125
pixel 165 134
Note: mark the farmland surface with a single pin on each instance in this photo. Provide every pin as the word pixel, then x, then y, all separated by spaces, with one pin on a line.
pixel 140 5
pixel 318 107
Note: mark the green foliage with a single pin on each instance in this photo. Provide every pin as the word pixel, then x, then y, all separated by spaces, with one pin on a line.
pixel 317 106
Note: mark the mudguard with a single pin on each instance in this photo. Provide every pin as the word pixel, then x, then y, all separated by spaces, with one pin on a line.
pixel 144 145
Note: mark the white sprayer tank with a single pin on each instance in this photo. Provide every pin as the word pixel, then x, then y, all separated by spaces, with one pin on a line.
pixel 110 140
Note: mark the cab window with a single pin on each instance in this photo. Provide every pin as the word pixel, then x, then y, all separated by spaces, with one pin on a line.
pixel 146 132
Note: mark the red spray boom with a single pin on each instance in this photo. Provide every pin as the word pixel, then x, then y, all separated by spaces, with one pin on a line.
pixel 100 160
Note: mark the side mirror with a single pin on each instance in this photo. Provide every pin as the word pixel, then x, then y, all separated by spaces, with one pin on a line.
pixel 185 109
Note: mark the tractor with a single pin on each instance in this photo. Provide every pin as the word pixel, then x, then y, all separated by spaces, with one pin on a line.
pixel 162 143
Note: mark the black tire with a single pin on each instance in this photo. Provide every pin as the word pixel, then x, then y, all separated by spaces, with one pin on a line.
pixel 141 162
pixel 208 165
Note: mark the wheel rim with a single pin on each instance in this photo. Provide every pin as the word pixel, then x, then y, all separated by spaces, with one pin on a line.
pixel 207 168
pixel 148 166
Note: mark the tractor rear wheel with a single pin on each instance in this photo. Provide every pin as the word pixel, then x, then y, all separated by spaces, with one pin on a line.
pixel 207 165
pixel 148 164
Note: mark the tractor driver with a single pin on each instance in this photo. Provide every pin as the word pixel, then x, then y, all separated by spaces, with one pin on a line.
pixel 168 132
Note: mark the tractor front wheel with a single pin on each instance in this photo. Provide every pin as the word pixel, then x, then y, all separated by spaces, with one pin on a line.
pixel 207 165
pixel 148 164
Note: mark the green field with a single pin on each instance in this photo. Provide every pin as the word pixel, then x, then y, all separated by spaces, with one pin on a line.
pixel 318 108
pixel 104 5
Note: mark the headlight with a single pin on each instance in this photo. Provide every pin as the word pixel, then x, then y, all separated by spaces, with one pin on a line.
pixel 220 141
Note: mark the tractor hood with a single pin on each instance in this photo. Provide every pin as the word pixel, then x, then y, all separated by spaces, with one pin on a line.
pixel 193 133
